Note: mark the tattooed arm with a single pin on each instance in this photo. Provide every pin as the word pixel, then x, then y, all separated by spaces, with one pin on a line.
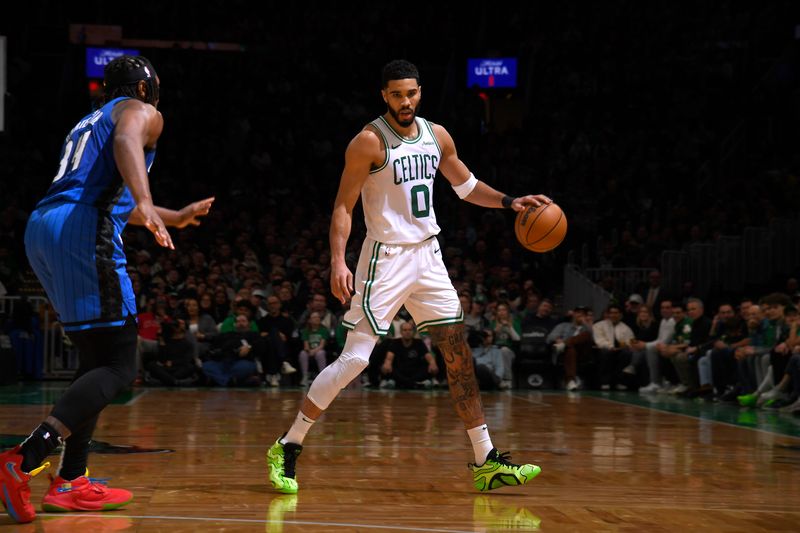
pixel 460 372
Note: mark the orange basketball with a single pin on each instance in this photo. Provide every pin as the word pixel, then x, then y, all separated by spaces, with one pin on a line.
pixel 541 229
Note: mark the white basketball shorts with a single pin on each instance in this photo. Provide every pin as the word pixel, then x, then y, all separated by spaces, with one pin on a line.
pixel 392 275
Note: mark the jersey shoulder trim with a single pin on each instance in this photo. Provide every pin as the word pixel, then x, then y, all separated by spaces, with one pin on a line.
pixel 433 135
pixel 385 148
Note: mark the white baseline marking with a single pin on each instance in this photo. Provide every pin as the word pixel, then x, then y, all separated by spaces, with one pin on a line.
pixel 257 521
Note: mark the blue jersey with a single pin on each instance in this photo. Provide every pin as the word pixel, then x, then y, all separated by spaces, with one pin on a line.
pixel 74 236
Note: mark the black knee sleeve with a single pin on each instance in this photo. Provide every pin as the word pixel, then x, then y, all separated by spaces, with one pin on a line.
pixel 107 365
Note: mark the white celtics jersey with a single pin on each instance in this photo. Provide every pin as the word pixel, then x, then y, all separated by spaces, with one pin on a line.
pixel 398 196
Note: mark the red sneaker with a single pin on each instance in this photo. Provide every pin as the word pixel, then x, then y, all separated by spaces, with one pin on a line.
pixel 14 490
pixel 83 494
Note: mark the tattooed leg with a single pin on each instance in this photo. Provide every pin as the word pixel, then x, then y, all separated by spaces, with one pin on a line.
pixel 457 356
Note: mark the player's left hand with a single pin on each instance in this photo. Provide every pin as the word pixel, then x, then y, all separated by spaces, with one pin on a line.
pixel 152 221
pixel 189 214
pixel 532 200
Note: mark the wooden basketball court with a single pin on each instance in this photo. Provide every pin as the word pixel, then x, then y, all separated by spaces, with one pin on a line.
pixel 397 461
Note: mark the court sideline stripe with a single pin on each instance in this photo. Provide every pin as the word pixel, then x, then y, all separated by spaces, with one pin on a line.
pixel 137 397
pixel 693 417
pixel 257 521
pixel 530 400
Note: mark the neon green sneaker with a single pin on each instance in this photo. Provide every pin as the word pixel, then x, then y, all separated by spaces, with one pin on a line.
pixel 281 460
pixel 747 400
pixel 498 471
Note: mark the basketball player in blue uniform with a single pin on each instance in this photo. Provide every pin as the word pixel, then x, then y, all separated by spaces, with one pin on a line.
pixel 74 244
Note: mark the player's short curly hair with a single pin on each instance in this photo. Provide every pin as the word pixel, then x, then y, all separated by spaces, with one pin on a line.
pixel 122 75
pixel 399 69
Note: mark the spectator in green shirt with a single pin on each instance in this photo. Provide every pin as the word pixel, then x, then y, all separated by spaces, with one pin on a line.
pixel 507 333
pixel 241 307
pixel 506 328
pixel 314 337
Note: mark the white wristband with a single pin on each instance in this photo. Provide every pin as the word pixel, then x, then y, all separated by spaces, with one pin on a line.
pixel 465 188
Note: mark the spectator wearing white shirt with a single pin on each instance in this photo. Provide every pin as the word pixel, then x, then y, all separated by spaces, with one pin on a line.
pixel 666 329
pixel 612 337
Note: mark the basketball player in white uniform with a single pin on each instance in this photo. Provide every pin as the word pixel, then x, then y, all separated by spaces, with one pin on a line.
pixel 391 164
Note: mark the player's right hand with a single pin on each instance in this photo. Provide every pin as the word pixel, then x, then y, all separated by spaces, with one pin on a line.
pixel 532 200
pixel 341 281
pixel 190 214
pixel 152 221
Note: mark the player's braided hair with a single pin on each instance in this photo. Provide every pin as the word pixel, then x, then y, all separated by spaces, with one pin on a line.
pixel 122 75
pixel 399 69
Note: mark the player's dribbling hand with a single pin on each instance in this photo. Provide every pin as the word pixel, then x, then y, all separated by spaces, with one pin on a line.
pixel 189 214
pixel 341 282
pixel 532 200
pixel 153 222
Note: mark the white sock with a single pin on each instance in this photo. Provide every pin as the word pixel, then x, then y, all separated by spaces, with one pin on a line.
pixel 481 443
pixel 298 431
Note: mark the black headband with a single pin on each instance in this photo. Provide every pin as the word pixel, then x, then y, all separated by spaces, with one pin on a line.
pixel 126 77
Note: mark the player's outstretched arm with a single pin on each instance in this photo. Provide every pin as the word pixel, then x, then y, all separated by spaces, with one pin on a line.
pixel 361 154
pixel 470 188
pixel 186 216
pixel 138 125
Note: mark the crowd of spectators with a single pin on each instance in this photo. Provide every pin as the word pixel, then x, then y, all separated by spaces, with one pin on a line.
pixel 618 113
pixel 745 352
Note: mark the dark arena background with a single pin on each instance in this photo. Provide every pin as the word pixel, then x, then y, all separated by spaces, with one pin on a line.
pixel 667 133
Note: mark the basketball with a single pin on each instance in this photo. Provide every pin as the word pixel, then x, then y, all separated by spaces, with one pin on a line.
pixel 541 229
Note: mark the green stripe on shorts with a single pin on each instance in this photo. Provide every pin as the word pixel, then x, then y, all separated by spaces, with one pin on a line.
pixel 373 264
pixel 441 321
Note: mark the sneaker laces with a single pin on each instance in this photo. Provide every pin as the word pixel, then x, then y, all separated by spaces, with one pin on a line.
pixel 504 458
pixel 93 480
pixel 99 488
pixel 99 485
